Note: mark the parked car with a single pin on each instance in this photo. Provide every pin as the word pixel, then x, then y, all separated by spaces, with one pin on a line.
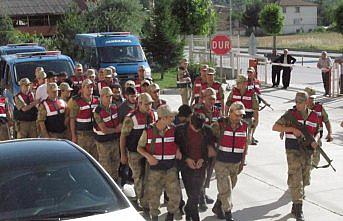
pixel 51 179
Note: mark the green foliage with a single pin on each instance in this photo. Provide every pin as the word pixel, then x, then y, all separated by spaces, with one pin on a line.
pixel 339 18
pixel 250 16
pixel 326 11
pixel 116 15
pixel 271 19
pixel 7 32
pixel 48 43
pixel 162 40
pixel 196 17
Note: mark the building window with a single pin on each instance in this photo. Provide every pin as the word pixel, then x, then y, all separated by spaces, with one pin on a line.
pixel 284 10
pixel 297 9
pixel 297 21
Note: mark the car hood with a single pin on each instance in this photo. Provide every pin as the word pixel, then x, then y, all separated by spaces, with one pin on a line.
pixel 124 214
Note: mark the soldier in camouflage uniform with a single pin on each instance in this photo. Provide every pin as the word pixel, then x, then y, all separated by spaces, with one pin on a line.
pixel 134 123
pixel 157 145
pixel 323 118
pixel 184 82
pixel 231 134
pixel 51 114
pixel 299 157
pixel 107 129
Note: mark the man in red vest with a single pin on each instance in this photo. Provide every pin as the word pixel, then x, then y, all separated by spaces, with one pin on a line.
pixel 157 145
pixel 323 119
pixel 133 126
pixel 248 97
pixel 198 82
pixel 77 78
pixel 298 156
pixel 25 111
pixel 107 132
pixel 210 82
pixel 51 114
pixel 81 117
pixel 232 138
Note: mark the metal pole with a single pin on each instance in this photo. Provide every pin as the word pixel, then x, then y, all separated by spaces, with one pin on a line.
pixel 221 68
pixel 230 17
pixel 232 63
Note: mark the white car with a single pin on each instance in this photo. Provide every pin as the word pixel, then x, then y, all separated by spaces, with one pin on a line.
pixel 48 179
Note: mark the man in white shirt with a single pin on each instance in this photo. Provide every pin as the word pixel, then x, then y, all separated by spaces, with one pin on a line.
pixel 42 93
pixel 325 64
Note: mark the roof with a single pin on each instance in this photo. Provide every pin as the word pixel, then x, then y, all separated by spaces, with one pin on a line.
pixel 35 7
pixel 296 3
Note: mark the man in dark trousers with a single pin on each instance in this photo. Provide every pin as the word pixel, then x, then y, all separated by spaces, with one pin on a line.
pixel 285 58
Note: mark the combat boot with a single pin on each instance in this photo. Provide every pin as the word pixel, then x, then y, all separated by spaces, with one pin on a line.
pixel 217 209
pixel 154 218
pixel 169 217
pixel 298 212
pixel 228 216
pixel 202 203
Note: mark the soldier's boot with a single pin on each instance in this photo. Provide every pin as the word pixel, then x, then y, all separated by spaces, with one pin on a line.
pixel 298 212
pixel 217 209
pixel 202 203
pixel 208 199
pixel 228 216
pixel 146 214
pixel 136 205
pixel 154 218
pixel 169 217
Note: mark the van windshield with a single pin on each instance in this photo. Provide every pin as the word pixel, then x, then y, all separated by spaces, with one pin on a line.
pixel 27 69
pixel 121 54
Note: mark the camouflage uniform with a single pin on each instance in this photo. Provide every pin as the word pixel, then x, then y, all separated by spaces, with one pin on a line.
pixel 159 180
pixel 184 87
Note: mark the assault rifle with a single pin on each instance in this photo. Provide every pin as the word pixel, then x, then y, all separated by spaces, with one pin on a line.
pixel 266 104
pixel 307 139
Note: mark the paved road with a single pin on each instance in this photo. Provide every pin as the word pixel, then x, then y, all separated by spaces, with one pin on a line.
pixel 261 192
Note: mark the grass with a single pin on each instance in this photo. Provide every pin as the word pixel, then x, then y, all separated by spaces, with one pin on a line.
pixel 329 41
pixel 169 79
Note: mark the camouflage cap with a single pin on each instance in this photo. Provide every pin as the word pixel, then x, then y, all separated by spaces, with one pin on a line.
pixel 311 92
pixel 41 74
pixel 129 83
pixel 301 97
pixel 211 71
pixel 24 81
pixel 237 107
pixel 86 82
pixel 79 67
pixel 210 92
pixel 38 69
pixel 106 91
pixel 52 87
pixel 108 73
pixel 153 87
pixel 145 82
pixel 251 70
pixel 90 73
pixel 141 67
pixel 241 79
pixel 64 86
pixel 165 111
pixel 145 98
pixel 204 67
pixel 184 60
pixel 114 70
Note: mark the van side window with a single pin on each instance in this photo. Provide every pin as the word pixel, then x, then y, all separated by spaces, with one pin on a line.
pixel 8 83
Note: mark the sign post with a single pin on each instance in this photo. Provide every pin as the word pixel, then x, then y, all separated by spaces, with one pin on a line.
pixel 221 45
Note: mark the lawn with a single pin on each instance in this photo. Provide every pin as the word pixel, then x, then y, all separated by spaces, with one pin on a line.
pixel 169 80
pixel 329 41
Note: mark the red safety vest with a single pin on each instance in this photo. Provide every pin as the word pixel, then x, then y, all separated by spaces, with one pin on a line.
pixel 197 87
pixel 161 147
pixel 311 123
pixel 101 84
pixel 255 86
pixel 215 113
pixel 318 108
pixel 2 107
pixel 30 115
pixel 234 141
pixel 140 121
pixel 110 119
pixel 84 120
pixel 246 98
pixel 138 86
pixel 76 81
pixel 55 115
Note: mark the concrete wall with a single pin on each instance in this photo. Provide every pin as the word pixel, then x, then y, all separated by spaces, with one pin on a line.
pixel 305 19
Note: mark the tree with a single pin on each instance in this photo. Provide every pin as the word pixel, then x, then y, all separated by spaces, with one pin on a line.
pixel 73 22
pixel 250 16
pixel 271 21
pixel 339 18
pixel 116 15
pixel 7 31
pixel 162 39
pixel 196 17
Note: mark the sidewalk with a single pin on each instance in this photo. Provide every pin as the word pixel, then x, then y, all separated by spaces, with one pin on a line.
pixel 261 191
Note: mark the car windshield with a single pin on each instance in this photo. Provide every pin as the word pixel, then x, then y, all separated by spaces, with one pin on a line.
pixel 27 69
pixel 121 54
pixel 66 188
